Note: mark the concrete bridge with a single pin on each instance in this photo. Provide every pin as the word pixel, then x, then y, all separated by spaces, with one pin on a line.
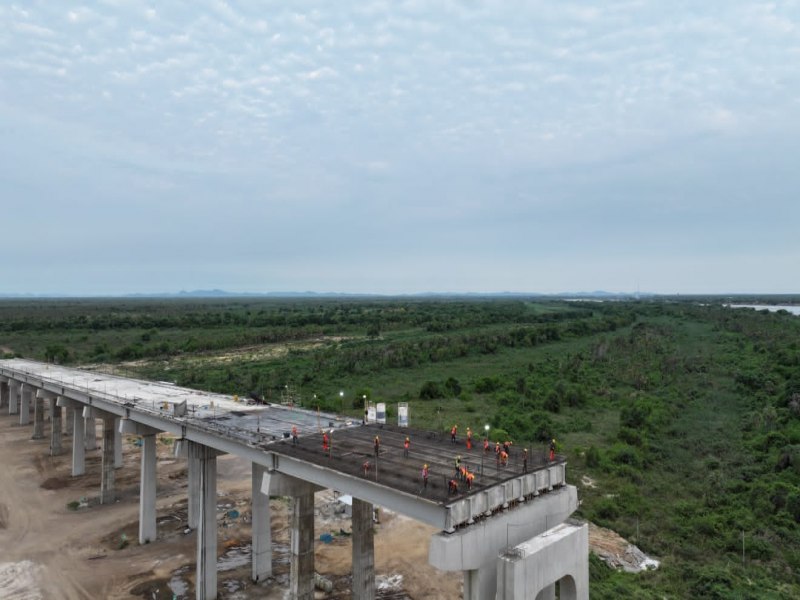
pixel 509 521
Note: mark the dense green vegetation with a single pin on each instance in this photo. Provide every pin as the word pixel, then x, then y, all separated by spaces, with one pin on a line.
pixel 684 418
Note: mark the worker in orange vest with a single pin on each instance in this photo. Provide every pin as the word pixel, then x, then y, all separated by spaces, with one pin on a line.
pixel 294 435
pixel 453 486
pixel 453 431
pixel 406 444
pixel 503 458
pixel 424 476
pixel 377 445
pixel 486 444
pixel 470 477
pixel 469 439
pixel 552 450
pixel 324 441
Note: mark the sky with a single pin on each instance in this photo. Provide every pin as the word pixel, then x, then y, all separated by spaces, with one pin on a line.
pixel 391 147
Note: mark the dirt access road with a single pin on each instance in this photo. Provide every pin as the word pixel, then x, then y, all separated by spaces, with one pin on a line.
pixel 48 550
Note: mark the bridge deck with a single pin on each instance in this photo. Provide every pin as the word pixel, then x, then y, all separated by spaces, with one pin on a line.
pixel 266 427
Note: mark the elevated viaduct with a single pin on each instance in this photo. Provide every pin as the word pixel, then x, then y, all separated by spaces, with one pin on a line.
pixel 482 529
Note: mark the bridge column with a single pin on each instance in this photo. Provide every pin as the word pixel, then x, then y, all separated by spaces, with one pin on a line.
pixel 206 579
pixel 90 433
pixel 13 397
pixel 55 427
pixel 74 415
pixel 262 534
pixel 107 492
pixel 193 491
pixel 147 481
pixel 25 405
pixel 4 391
pixel 363 551
pixel 301 578
pixel 38 414
pixel 117 444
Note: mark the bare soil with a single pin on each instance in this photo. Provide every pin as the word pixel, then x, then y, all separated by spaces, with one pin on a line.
pixel 49 550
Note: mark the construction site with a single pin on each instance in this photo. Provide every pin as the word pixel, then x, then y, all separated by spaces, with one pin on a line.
pixel 467 490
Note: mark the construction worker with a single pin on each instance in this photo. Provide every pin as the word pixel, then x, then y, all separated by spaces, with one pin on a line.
pixel 377 445
pixel 452 487
pixel 458 465
pixel 469 439
pixel 552 450
pixel 497 447
pixel 406 444
pixel 424 476
pixel 463 473
pixel 453 431
pixel 294 435
pixel 524 460
pixel 507 446
pixel 486 445
pixel 470 478
pixel 365 466
pixel 503 458
pixel 325 441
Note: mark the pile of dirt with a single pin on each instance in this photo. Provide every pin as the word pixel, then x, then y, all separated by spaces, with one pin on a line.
pixel 617 552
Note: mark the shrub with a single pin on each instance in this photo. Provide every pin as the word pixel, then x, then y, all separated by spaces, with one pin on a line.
pixel 431 390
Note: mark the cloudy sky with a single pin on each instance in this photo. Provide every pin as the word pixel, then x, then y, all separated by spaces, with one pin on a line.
pixel 391 147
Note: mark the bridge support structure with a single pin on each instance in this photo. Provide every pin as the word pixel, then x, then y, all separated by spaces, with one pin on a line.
pixel 75 415
pixel 558 557
pixel 25 392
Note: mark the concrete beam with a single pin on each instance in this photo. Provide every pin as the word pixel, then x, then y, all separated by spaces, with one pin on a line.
pixel 274 483
pixel 560 556
pixel 25 404
pixel 261 543
pixel 147 491
pixel 301 575
pixel 131 427
pixel 363 551
pixel 206 579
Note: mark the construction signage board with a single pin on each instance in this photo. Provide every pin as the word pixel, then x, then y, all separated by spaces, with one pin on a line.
pixel 402 414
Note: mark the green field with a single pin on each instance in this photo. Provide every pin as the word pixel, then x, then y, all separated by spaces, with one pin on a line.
pixel 685 415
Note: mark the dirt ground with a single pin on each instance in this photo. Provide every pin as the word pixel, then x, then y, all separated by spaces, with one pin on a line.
pixel 90 551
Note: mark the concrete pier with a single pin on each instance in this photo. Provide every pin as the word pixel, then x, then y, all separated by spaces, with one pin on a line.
pixel 78 442
pixel 363 551
pixel 262 534
pixel 193 477
pixel 25 392
pixel 148 480
pixel 13 397
pixel 206 579
pixel 90 433
pixel 474 550
pixel 118 462
pixel 558 557
pixel 38 415
pixel 107 492
pixel 4 392
pixel 55 428
pixel 301 577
